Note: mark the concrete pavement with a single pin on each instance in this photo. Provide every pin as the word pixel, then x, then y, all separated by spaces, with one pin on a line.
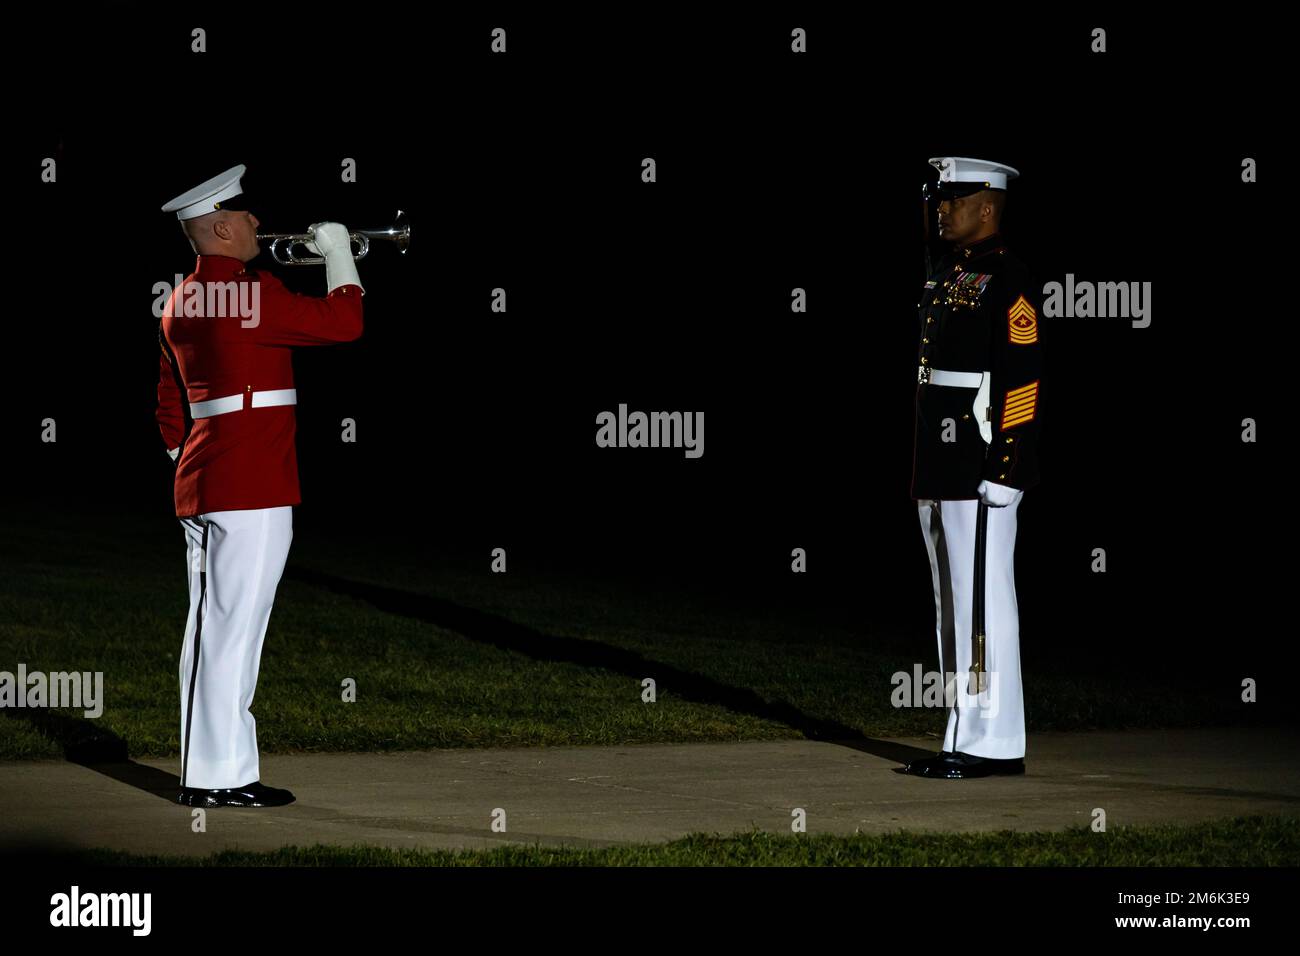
pixel 595 796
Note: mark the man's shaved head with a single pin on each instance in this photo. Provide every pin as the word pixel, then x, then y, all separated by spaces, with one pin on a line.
pixel 202 232
pixel 224 232
pixel 997 198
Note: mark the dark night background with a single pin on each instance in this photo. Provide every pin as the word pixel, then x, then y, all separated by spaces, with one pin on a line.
pixel 476 429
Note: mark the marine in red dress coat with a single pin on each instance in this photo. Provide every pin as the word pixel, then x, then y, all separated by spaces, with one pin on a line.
pixel 244 459
pixel 226 335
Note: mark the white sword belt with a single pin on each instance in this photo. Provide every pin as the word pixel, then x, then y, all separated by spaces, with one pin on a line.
pixel 235 403
pixel 976 380
pixel 937 376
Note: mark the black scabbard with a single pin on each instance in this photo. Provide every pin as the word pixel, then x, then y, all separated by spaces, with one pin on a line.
pixel 978 667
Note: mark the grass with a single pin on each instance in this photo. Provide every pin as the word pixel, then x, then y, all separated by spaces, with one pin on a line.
pixel 1241 841
pixel 458 657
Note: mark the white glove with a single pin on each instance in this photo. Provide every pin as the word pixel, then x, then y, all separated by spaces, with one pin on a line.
pixel 330 239
pixel 174 452
pixel 998 496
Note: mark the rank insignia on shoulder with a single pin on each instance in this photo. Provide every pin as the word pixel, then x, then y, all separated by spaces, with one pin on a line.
pixel 1022 323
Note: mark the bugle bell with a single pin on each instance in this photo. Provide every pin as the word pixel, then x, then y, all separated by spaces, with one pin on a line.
pixel 285 245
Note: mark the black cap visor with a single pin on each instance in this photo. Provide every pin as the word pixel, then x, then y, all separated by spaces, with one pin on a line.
pixel 938 191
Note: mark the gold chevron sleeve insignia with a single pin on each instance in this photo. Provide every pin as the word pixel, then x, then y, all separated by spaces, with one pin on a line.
pixel 1022 323
pixel 1019 407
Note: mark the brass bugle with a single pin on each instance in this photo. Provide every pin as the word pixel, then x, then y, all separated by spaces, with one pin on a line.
pixel 284 244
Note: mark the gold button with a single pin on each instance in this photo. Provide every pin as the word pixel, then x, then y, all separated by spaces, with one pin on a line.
pixel 925 341
pixel 1006 457
pixel 964 417
pixel 1001 476
pixel 1008 441
pixel 248 388
pixel 923 360
pixel 929 319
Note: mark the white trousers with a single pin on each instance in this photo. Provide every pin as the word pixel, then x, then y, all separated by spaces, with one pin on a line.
pixel 234 560
pixel 992 723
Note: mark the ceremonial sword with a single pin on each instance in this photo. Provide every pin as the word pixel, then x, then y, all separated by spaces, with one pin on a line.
pixel 979 678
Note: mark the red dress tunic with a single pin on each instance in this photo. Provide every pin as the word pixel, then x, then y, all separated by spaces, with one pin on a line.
pixel 244 458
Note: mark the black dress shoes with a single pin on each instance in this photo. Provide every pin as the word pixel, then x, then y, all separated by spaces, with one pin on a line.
pixel 949 765
pixel 250 795
pixel 919 767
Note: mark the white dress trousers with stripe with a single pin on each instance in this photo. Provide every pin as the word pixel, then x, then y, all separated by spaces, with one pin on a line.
pixel 991 724
pixel 234 560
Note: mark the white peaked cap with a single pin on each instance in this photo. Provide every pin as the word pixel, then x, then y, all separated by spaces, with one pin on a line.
pixel 207 197
pixel 961 169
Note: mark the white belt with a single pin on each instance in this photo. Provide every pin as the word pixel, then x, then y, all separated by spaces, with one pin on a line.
pixel 976 380
pixel 938 376
pixel 234 403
